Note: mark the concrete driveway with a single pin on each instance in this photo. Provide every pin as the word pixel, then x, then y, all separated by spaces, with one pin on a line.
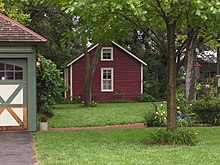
pixel 16 148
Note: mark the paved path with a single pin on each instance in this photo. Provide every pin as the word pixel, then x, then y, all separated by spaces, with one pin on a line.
pixel 16 148
pixel 139 125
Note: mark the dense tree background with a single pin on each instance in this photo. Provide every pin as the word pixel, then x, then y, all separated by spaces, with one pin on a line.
pixel 54 24
pixel 15 10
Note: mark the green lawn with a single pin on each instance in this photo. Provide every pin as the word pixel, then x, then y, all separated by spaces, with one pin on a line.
pixel 123 147
pixel 75 115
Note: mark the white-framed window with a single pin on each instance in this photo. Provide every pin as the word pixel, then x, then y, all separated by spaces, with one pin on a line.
pixel 107 79
pixel 107 54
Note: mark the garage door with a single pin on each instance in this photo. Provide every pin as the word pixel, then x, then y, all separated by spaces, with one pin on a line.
pixel 13 103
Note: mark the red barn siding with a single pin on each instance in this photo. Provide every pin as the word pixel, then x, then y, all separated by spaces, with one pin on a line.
pixel 126 77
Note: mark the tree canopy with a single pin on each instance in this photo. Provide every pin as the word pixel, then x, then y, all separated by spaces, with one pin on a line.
pixel 15 10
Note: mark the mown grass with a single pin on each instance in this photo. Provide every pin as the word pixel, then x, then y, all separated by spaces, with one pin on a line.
pixel 123 147
pixel 75 115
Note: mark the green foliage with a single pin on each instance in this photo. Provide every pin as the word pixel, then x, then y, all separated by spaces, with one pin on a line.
pixel 157 117
pixel 149 119
pixel 177 137
pixel 50 86
pixel 90 15
pixel 183 107
pixel 144 97
pixel 184 122
pixel 15 10
pixel 155 75
pixel 208 110
pixel 50 21
pixel 181 102
pixel 207 90
pixel 207 105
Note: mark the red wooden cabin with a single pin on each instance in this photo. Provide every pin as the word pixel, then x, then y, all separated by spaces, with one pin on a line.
pixel 118 75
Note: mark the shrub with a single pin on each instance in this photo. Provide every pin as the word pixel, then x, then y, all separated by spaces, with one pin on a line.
pixel 157 117
pixel 208 110
pixel 207 105
pixel 176 137
pixel 144 97
pixel 49 86
pixel 181 102
pixel 208 89
pixel 149 119
pixel 184 122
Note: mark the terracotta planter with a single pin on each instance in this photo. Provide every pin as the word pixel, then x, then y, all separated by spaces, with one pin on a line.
pixel 43 126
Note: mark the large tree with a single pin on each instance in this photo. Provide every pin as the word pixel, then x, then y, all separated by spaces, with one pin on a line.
pixel 171 17
pixel 175 17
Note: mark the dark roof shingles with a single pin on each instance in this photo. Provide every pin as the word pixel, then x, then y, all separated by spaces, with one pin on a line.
pixel 13 31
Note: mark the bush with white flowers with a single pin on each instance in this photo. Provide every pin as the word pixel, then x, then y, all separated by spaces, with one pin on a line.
pixel 157 117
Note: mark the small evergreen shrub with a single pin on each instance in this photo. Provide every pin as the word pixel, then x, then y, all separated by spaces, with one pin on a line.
pixel 176 137
pixel 144 97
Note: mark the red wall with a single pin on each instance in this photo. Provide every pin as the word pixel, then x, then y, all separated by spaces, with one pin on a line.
pixel 127 77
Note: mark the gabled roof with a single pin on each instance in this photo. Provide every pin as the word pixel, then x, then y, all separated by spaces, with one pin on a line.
pixel 93 47
pixel 14 32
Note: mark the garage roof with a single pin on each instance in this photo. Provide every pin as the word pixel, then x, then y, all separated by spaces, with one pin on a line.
pixel 14 32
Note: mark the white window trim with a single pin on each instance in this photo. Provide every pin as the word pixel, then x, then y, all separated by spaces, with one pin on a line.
pixel 142 79
pixel 66 80
pixel 112 76
pixel 111 48
pixel 71 82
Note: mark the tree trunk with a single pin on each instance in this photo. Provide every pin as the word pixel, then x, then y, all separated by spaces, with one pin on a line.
pixel 87 82
pixel 171 86
pixel 190 73
pixel 90 68
pixel 87 89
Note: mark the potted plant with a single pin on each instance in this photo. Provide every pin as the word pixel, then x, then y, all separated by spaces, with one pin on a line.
pixel 43 122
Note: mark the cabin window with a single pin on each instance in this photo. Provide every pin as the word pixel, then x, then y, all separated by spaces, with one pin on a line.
pixel 107 54
pixel 10 72
pixel 107 79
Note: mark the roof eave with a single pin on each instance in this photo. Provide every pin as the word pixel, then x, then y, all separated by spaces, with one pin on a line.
pixel 21 42
pixel 76 59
